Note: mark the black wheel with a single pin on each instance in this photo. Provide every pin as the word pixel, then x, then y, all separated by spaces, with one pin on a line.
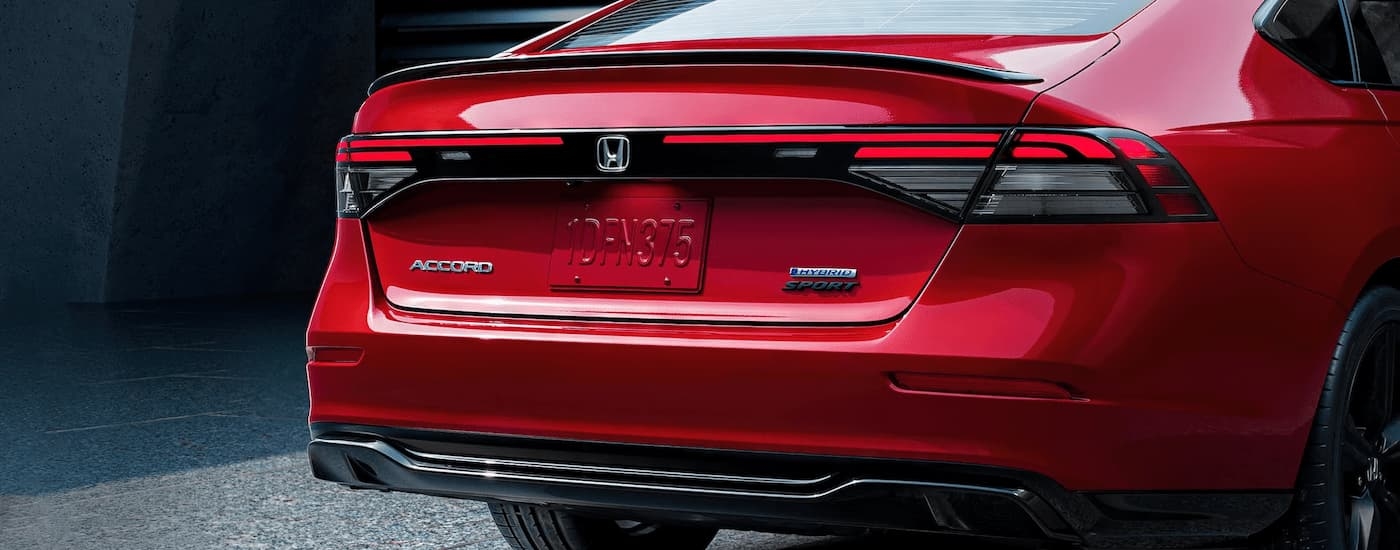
pixel 1349 484
pixel 537 528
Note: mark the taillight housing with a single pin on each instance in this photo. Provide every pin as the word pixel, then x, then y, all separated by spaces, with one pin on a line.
pixel 364 174
pixel 370 168
pixel 1043 175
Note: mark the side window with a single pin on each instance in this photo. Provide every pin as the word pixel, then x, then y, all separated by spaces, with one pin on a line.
pixel 1377 27
pixel 1313 32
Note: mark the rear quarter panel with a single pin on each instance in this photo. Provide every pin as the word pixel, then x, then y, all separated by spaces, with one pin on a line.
pixel 1303 174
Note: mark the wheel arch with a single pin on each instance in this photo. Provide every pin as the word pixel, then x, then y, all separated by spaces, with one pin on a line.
pixel 1387 275
pixel 1378 264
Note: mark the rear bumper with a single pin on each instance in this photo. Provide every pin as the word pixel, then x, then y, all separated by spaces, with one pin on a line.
pixel 1185 366
pixel 776 491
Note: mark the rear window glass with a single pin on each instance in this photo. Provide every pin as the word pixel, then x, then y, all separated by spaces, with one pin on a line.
pixel 675 20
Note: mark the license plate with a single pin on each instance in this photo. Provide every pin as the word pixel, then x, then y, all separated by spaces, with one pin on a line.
pixel 630 244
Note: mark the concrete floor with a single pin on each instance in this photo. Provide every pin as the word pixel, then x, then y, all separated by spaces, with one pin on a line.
pixel 183 426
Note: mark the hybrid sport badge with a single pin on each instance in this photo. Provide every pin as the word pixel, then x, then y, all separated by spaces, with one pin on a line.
pixel 842 282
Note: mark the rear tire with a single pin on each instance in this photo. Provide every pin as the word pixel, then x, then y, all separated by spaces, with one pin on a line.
pixel 537 528
pixel 1348 495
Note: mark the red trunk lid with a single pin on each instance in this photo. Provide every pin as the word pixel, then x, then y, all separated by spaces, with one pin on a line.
pixel 746 92
pixel 753 221
pixel 746 237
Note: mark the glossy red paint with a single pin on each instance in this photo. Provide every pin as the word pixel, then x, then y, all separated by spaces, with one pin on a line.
pixel 661 97
pixel 1190 349
pixel 1173 398
pixel 1053 58
pixel 1276 149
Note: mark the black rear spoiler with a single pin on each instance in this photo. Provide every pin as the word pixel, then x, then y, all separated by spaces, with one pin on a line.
pixel 704 57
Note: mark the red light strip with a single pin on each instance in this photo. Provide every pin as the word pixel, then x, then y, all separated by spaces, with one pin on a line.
pixel 1160 176
pixel 381 156
pixel 1135 149
pixel 455 142
pixel 342 157
pixel 1085 145
pixel 925 152
pixel 831 138
pixel 1024 152
pixel 1181 204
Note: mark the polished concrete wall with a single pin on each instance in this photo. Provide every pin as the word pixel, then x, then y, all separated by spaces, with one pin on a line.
pixel 173 148
pixel 61 106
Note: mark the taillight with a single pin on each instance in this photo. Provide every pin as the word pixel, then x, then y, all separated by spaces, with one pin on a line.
pixel 1042 175
pixel 1020 190
pixel 368 169
pixel 361 187
pixel 944 187
pixel 364 174
pixel 942 176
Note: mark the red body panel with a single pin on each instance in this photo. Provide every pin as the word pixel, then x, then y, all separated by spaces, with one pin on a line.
pixel 1300 170
pixel 1053 58
pixel 660 97
pixel 1194 352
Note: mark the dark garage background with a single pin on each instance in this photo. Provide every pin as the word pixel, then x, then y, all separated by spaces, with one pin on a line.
pixel 172 149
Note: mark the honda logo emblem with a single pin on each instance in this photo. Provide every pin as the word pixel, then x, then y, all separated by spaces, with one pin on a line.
pixel 614 154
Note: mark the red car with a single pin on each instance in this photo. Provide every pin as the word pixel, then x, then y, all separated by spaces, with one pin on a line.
pixel 1099 273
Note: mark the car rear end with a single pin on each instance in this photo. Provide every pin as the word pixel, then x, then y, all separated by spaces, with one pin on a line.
pixel 785 281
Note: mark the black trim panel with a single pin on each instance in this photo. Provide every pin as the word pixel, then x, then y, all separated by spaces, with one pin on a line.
pixel 652 158
pixel 704 57
pixel 720 487
pixel 779 491
pixel 575 160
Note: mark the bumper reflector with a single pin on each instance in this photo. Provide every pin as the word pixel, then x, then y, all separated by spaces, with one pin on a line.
pixel 338 356
pixel 973 385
